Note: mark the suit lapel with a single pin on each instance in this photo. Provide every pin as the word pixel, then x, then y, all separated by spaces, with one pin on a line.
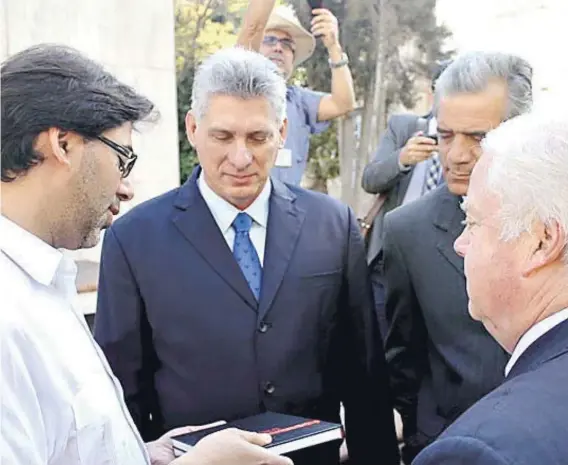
pixel 284 225
pixel 196 223
pixel 552 344
pixel 448 221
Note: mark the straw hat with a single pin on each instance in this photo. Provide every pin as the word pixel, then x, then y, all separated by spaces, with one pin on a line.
pixel 283 18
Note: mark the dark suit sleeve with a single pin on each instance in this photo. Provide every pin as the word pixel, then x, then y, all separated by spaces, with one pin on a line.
pixel 122 331
pixel 459 450
pixel 384 172
pixel 371 437
pixel 406 341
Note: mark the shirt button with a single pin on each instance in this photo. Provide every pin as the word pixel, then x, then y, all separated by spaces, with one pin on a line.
pixel 263 327
pixel 269 388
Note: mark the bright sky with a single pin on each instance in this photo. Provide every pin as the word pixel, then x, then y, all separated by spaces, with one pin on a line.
pixel 534 29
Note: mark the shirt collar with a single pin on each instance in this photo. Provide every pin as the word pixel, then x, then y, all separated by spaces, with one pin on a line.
pixel 534 333
pixel 34 256
pixel 224 213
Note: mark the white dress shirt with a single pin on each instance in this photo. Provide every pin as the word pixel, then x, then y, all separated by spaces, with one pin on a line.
pixel 534 333
pixel 60 403
pixel 224 214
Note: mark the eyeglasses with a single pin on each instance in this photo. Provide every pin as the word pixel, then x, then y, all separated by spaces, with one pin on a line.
pixel 126 156
pixel 287 44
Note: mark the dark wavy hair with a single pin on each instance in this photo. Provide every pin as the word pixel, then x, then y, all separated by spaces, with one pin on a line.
pixel 51 85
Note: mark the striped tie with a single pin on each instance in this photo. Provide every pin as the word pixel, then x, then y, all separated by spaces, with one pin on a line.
pixel 434 173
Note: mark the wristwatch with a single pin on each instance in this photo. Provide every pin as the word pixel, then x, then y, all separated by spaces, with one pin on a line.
pixel 338 64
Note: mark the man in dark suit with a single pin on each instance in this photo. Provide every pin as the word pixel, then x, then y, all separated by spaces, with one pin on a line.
pixel 235 294
pixel 516 265
pixel 405 167
pixel 441 361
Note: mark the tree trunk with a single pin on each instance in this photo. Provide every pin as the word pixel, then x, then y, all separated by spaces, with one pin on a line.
pixel 347 154
pixel 373 99
pixel 319 185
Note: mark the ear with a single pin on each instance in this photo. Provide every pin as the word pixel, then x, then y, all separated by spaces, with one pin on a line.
pixel 190 127
pixel 549 244
pixel 60 143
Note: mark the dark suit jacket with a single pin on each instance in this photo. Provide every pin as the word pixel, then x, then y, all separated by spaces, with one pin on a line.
pixel 383 174
pixel 190 344
pixel 523 422
pixel 441 361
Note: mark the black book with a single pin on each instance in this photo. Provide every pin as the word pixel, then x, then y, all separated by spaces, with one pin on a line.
pixel 288 433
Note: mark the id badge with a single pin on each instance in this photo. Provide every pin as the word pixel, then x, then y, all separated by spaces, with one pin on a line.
pixel 284 158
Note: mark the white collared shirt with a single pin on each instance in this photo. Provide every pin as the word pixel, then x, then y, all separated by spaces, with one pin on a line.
pixel 224 214
pixel 60 403
pixel 534 333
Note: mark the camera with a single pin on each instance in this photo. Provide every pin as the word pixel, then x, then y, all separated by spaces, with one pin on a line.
pixel 434 137
pixel 423 125
pixel 314 4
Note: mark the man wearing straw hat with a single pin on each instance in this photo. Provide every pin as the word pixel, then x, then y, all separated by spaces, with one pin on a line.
pixel 287 44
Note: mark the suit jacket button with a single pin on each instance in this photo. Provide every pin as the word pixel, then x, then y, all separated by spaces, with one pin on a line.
pixel 269 388
pixel 263 327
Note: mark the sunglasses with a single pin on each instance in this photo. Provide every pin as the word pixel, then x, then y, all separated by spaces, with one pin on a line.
pixel 287 44
pixel 126 156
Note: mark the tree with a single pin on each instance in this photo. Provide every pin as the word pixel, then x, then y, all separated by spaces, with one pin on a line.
pixel 323 159
pixel 391 44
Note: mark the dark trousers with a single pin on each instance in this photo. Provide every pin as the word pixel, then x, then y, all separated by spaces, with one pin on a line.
pixel 377 280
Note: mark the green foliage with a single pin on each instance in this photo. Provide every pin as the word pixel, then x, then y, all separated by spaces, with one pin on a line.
pixel 323 161
pixel 187 154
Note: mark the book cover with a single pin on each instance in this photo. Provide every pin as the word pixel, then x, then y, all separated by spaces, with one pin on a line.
pixel 289 433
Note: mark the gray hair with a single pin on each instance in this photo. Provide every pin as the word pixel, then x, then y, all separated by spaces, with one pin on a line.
pixel 528 172
pixel 238 72
pixel 472 72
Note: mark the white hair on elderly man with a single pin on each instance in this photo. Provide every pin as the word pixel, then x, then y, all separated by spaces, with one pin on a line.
pixel 241 73
pixel 528 170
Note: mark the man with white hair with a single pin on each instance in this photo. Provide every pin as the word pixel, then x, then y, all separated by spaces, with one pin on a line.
pixel 288 44
pixel 441 361
pixel 236 294
pixel 516 265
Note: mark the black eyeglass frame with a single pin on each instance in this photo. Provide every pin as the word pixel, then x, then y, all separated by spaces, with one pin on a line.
pixel 126 156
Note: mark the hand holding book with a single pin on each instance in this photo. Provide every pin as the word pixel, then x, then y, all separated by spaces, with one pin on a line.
pixel 288 433
pixel 232 446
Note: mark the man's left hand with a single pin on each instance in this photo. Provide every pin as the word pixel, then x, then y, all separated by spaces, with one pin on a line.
pixel 161 451
pixel 325 26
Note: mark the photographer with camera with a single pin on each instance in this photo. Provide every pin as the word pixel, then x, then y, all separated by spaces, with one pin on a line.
pixel 287 44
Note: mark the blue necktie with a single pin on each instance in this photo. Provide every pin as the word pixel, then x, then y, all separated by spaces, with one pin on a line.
pixel 245 253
